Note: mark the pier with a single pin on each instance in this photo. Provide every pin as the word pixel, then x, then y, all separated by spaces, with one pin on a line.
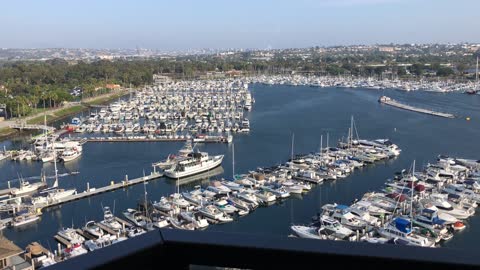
pixel 25 126
pixel 95 191
pixel 394 103
pixel 208 139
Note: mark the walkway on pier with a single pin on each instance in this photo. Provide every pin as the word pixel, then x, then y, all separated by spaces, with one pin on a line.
pixel 94 191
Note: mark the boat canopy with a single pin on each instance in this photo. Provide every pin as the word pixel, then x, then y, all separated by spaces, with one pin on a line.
pixel 402 225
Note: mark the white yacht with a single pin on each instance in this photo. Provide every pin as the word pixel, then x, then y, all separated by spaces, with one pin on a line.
pixel 192 164
pixel 24 219
pixel 135 217
pixel 93 229
pixel 26 187
pixel 70 154
pixel 401 228
pixel 71 235
pixel 109 220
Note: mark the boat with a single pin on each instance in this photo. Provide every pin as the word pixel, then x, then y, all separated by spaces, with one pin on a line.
pixel 164 205
pixel 312 233
pixel 75 250
pixel 334 227
pixel 199 222
pixel 342 214
pixel 265 196
pixel 70 154
pixel 225 207
pixel 135 217
pixel 181 224
pixel 92 228
pixel 212 212
pixel 24 218
pixel 194 163
pixel 26 187
pixel 71 235
pixel 109 220
pixel 135 231
pixel 401 228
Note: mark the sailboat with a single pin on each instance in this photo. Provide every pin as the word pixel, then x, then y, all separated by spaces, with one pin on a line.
pixel 53 193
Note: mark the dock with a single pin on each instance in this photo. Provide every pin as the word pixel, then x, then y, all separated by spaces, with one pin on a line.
pixel 63 241
pixel 135 139
pixel 95 191
pixel 209 139
pixel 394 103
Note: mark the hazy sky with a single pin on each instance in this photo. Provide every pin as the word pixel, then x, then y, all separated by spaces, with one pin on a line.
pixel 182 24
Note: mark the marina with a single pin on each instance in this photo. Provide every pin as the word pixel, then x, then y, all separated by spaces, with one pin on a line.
pixel 388 101
pixel 249 156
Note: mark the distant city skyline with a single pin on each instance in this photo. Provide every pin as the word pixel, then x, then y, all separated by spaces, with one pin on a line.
pixel 248 24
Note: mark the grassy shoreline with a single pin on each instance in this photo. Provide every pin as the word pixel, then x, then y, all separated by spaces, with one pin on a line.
pixel 7 133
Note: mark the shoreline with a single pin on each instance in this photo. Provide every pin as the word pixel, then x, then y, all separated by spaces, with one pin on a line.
pixel 61 113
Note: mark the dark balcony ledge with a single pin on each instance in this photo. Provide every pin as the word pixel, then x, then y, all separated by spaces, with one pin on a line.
pixel 179 249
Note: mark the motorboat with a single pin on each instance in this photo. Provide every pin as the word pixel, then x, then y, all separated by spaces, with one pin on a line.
pixel 24 218
pixel 109 220
pixel 135 231
pixel 135 217
pixel 26 187
pixel 212 212
pixel 70 154
pixel 199 222
pixel 71 235
pixel 265 196
pixel 401 228
pixel 194 163
pixel 342 214
pixel 92 228
pixel 225 207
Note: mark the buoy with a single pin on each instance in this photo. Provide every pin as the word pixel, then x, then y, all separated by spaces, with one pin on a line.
pixel 468 118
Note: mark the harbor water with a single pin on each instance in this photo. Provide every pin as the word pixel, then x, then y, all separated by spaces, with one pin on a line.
pixel 279 112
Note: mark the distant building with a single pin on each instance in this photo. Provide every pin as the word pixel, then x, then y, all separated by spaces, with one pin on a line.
pixel 157 78
pixel 112 86
pixel 11 256
pixel 386 49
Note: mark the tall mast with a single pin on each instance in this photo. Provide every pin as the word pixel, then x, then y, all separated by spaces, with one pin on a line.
pixel 233 161
pixel 411 197
pixel 55 184
pixel 321 143
pixel 293 138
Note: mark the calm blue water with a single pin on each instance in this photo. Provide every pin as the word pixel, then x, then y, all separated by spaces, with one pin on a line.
pixel 278 112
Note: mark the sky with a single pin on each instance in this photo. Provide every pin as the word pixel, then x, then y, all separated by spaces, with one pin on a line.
pixel 261 24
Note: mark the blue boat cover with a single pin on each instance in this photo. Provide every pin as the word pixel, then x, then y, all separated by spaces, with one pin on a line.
pixel 403 225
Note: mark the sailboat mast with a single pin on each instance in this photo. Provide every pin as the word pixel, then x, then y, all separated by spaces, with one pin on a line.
pixel 411 197
pixel 293 139
pixel 321 143
pixel 55 167
pixel 233 161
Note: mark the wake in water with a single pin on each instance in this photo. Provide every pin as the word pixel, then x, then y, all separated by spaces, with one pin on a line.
pixel 38 177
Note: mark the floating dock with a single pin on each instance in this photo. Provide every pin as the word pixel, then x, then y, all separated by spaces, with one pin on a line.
pixel 394 103
pixel 206 139
pixel 95 191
